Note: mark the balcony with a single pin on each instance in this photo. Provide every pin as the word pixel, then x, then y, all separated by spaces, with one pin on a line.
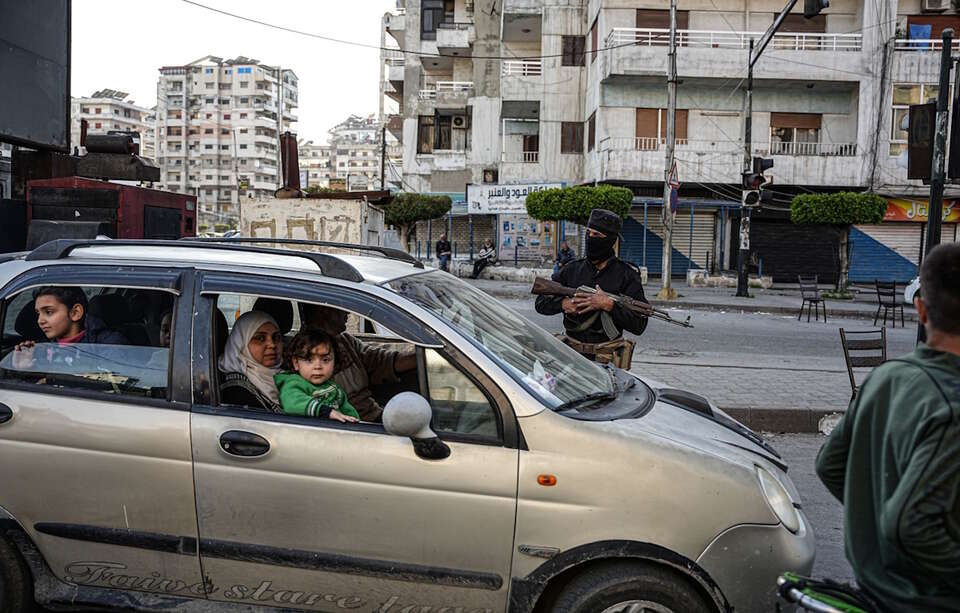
pixel 723 54
pixel 828 164
pixel 522 6
pixel 918 60
pixel 520 157
pixel 396 25
pixel 448 94
pixel 455 38
pixel 521 79
pixel 444 159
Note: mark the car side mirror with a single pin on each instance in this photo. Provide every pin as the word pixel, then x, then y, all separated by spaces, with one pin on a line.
pixel 408 414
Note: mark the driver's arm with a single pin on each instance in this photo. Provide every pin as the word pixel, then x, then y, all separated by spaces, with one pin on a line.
pixel 382 364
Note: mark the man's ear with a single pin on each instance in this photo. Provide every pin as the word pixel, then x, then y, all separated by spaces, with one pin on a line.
pixel 76 312
pixel 921 310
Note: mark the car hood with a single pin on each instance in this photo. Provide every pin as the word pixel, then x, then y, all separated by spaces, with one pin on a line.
pixel 691 420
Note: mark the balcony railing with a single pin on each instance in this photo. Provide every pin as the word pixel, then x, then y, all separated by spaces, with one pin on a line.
pixel 455 25
pixel 652 143
pixel 825 149
pixel 523 157
pixel 922 44
pixel 522 68
pixel 446 87
pixel 783 41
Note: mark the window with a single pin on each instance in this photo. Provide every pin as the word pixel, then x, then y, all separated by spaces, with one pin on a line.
pixel 903 96
pixel 592 131
pixel 224 131
pixel 208 70
pixel 244 83
pixel 96 344
pixel 208 85
pixel 459 406
pixel 593 41
pixel 224 147
pixel 208 100
pixel 573 50
pixel 432 14
pixel 208 130
pixel 209 192
pixel 224 178
pixel 244 100
pixel 226 116
pixel 425 134
pixel 243 130
pixel 96 125
pixel 571 137
pixel 794 133
pixel 84 109
pixel 97 110
pixel 208 147
pixel 651 128
pixel 227 71
pixel 243 146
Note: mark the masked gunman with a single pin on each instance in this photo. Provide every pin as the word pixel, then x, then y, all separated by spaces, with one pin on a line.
pixel 594 323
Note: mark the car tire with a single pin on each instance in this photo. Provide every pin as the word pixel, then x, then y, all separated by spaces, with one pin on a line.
pixel 16 585
pixel 618 587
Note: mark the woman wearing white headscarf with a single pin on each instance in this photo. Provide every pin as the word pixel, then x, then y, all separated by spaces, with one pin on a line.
pixel 253 354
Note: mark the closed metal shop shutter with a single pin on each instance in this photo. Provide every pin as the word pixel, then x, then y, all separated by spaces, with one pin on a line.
pixel 903 237
pixel 703 240
pixel 886 252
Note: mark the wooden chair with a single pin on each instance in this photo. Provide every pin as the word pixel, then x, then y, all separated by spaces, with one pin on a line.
pixel 810 292
pixel 863 349
pixel 888 298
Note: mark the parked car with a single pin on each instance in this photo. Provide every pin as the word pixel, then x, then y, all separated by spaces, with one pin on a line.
pixel 533 479
pixel 911 291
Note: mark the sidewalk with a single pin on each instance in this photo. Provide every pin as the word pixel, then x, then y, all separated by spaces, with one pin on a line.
pixel 780 300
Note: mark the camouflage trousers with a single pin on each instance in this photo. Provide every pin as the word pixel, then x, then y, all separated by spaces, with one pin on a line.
pixel 618 352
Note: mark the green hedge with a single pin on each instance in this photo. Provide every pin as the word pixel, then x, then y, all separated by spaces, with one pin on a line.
pixel 839 208
pixel 575 203
pixel 409 208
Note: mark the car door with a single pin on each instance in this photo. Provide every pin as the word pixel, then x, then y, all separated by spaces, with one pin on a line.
pixel 320 515
pixel 95 447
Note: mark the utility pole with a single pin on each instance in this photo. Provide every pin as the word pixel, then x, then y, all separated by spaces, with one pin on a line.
pixel 811 8
pixel 383 156
pixel 937 168
pixel 667 292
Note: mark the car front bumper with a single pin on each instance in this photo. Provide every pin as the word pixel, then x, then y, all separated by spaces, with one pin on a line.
pixel 746 560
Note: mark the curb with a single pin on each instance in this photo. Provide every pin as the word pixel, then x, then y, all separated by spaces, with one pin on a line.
pixel 781 420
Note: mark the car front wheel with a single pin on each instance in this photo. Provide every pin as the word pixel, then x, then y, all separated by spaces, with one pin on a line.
pixel 630 587
pixel 16 587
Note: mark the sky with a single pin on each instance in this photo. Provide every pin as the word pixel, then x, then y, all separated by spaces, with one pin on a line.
pixel 121 44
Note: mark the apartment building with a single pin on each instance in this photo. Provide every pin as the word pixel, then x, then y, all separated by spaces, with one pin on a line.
pixel 352 157
pixel 563 91
pixel 109 110
pixel 218 127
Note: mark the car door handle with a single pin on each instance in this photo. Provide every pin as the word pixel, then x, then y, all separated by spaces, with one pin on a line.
pixel 243 444
pixel 6 413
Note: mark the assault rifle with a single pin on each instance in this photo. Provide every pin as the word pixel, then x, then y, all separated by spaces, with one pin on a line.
pixel 547 287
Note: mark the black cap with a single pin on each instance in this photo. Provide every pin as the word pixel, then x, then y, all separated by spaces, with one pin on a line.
pixel 605 221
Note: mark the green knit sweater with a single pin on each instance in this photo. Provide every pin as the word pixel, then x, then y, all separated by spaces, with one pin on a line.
pixel 300 397
pixel 894 463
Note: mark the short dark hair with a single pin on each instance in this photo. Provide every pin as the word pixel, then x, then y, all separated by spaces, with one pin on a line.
pixel 304 343
pixel 940 287
pixel 68 296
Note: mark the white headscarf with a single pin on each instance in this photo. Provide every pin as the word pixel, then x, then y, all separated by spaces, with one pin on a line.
pixel 237 358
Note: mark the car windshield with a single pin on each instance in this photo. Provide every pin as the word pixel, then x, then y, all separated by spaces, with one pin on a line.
pixel 550 370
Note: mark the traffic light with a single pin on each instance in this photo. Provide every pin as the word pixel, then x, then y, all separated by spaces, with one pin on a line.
pixel 812 8
pixel 753 182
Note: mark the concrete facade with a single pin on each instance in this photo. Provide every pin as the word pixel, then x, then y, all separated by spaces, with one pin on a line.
pixel 501 76
pixel 109 110
pixel 218 125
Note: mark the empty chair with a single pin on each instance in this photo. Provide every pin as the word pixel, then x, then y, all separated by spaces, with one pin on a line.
pixel 887 299
pixel 810 292
pixel 863 349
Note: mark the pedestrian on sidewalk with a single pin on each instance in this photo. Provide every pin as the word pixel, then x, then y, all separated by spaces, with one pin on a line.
pixel 487 256
pixel 564 257
pixel 894 459
pixel 594 323
pixel 443 252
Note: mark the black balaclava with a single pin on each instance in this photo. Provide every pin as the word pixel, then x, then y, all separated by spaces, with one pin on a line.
pixel 601 249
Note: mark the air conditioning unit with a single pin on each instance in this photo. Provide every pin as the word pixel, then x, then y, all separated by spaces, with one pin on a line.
pixel 934 6
pixel 459 121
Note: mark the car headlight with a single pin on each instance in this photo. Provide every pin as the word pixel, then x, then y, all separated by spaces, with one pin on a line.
pixel 779 500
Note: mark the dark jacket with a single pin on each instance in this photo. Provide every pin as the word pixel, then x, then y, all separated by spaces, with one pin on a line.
pixel 565 256
pixel 97 332
pixel 617 277
pixel 443 247
pixel 894 463
pixel 237 390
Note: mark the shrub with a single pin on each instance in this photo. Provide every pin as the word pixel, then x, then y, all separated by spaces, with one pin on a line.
pixel 575 203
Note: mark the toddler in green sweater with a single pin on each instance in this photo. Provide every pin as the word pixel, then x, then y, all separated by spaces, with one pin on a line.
pixel 306 387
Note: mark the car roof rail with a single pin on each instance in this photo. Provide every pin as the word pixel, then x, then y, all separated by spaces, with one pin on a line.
pixel 330 266
pixel 388 252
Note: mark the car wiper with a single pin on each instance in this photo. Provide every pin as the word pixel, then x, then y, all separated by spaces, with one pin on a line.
pixel 592 397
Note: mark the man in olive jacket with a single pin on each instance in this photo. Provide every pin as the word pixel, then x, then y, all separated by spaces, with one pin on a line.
pixel 894 459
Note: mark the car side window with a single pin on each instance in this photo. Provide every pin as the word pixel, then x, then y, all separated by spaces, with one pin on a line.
pixel 459 406
pixel 87 339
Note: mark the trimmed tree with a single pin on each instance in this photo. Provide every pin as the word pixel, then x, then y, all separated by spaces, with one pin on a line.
pixel 407 209
pixel 319 189
pixel 575 203
pixel 842 210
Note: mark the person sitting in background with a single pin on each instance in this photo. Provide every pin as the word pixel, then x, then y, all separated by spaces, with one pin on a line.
pixel 564 257
pixel 306 387
pixel 443 252
pixel 487 256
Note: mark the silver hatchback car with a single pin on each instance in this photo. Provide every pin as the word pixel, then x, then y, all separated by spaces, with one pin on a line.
pixel 534 480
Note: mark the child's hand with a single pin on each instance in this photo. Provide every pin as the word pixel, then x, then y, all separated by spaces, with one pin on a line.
pixel 345 419
pixel 23 356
